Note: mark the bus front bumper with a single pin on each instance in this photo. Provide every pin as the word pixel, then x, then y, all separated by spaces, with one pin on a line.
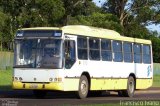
pixel 38 86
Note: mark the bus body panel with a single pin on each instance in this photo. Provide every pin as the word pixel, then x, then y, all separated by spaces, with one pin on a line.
pixel 144 70
pixel 68 84
pixel 143 83
pixel 33 75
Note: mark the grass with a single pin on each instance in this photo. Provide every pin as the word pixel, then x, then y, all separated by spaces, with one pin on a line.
pixel 6 80
pixel 156 81
pixel 108 104
pixel 127 103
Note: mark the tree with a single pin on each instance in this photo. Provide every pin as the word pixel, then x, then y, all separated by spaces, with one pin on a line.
pixel 107 21
pixel 71 8
pixel 51 10
pixel 156 49
pixel 4 31
pixel 136 30
pixel 144 11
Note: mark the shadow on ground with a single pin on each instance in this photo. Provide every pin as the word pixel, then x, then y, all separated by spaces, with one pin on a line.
pixel 28 94
pixel 5 88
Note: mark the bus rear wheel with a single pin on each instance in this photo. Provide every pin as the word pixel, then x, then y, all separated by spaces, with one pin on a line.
pixel 130 87
pixel 83 87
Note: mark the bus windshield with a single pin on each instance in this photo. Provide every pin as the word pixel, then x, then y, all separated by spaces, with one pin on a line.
pixel 38 53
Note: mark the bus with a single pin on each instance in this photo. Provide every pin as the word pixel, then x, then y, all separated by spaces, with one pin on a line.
pixel 82 59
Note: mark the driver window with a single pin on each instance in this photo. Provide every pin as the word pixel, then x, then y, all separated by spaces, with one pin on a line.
pixel 69 54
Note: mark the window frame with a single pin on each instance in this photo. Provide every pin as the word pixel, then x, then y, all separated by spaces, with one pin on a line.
pixel 94 49
pixel 148 62
pixel 139 53
pixel 82 48
pixel 127 52
pixel 117 52
pixel 106 50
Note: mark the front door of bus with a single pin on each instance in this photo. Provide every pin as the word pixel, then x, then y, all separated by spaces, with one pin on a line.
pixel 70 57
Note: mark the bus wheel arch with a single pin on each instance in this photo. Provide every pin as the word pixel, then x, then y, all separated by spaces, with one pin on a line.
pixel 84 85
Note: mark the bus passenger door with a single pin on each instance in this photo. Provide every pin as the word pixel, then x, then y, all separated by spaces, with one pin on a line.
pixel 70 56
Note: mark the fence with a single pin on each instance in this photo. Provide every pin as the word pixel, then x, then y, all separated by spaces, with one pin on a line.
pixel 156 68
pixel 6 60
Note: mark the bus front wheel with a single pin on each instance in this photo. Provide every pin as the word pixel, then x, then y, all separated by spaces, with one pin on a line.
pixel 83 87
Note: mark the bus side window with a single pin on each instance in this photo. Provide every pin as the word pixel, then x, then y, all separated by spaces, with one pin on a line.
pixel 127 50
pixel 82 48
pixel 137 53
pixel 69 54
pixel 94 49
pixel 146 54
pixel 117 51
pixel 106 51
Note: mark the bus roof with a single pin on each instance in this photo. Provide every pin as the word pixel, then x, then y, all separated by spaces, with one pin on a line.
pixel 91 32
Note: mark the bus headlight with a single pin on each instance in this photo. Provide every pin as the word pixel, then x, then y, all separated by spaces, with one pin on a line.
pixel 16 78
pixel 50 79
pixel 20 78
pixel 58 79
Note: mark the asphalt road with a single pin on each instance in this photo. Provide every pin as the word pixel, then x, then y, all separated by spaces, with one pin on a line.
pixel 26 98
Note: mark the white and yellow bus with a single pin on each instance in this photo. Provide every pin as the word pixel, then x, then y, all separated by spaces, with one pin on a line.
pixel 82 59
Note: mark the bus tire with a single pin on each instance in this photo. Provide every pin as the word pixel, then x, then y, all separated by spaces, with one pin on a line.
pixel 39 93
pixel 130 87
pixel 83 87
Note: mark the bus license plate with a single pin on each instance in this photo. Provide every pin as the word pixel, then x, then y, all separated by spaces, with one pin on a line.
pixel 33 86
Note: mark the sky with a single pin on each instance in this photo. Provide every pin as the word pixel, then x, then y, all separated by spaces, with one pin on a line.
pixel 152 27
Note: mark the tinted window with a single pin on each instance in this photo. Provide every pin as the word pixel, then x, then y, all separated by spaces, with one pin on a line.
pixel 146 54
pixel 82 48
pixel 94 51
pixel 117 51
pixel 137 53
pixel 82 42
pixel 127 49
pixel 106 50
pixel 94 43
pixel 70 56
pixel 105 44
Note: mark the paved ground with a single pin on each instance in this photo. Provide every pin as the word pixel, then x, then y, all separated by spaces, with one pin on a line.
pixel 26 98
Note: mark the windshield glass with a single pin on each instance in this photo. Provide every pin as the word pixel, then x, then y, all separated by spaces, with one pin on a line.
pixel 38 53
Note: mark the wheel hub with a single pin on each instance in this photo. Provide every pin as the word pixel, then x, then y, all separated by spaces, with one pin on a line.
pixel 83 87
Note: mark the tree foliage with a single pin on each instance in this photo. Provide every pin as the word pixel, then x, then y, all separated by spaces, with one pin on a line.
pixel 5 34
pixel 128 17
pixel 107 21
pixel 144 11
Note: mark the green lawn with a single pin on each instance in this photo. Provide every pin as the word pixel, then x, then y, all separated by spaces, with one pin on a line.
pixel 108 104
pixel 126 103
pixel 6 80
pixel 156 81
